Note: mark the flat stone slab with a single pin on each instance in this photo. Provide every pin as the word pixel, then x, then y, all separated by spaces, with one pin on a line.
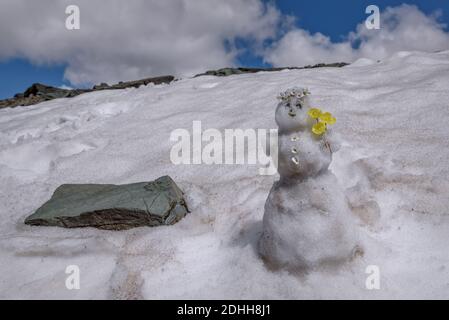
pixel 113 207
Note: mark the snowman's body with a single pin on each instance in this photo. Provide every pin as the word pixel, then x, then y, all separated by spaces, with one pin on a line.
pixel 307 222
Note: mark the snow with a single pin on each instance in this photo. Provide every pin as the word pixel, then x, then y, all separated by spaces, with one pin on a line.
pixel 392 116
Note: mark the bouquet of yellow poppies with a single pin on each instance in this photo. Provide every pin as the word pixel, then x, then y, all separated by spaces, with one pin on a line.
pixel 323 119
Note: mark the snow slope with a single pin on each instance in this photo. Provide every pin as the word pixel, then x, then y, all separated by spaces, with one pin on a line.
pixel 394 165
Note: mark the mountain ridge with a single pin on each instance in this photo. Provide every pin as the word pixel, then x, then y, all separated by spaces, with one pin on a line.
pixel 39 92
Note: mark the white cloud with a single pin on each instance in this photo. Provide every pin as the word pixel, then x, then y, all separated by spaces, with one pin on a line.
pixel 123 40
pixel 403 28
pixel 138 38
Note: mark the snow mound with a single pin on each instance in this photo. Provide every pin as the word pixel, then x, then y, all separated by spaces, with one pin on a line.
pixel 362 62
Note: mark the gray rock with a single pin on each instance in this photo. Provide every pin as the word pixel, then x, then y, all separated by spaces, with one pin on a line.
pixel 46 92
pixel 144 82
pixel 38 93
pixel 113 207
pixel 100 86
pixel 224 72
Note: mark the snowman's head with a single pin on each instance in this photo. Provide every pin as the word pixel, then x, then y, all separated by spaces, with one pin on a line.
pixel 291 112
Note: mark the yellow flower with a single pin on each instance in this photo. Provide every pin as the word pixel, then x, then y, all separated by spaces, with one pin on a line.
pixel 314 113
pixel 319 128
pixel 327 118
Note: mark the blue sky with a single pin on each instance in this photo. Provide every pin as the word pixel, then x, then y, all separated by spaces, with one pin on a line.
pixel 331 18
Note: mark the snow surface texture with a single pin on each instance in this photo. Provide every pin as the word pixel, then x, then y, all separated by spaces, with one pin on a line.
pixel 392 165
pixel 307 222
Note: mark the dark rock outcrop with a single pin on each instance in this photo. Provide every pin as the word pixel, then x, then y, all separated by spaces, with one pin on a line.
pixel 142 82
pixel 38 92
pixel 231 71
pixel 46 92
pixel 35 94
pixel 113 207
pixel 100 86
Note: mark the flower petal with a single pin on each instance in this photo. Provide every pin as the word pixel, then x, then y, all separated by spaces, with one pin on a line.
pixel 319 128
pixel 327 118
pixel 314 113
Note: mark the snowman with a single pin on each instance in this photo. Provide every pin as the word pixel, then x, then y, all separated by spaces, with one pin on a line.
pixel 307 222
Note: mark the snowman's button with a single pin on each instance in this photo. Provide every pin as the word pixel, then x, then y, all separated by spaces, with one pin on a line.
pixel 294 150
pixel 294 138
pixel 295 160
